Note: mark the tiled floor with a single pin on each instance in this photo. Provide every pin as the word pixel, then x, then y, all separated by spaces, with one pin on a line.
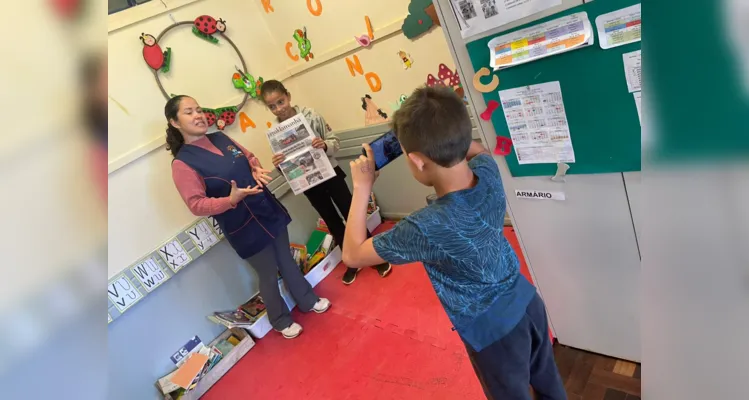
pixel 590 376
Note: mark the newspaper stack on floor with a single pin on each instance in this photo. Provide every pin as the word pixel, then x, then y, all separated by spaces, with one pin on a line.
pixel 305 166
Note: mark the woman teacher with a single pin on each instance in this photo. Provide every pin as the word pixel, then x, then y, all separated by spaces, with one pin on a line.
pixel 218 177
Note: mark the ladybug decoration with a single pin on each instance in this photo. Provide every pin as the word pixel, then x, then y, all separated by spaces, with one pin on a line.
pixel 67 9
pixel 155 58
pixel 205 26
pixel 210 116
pixel 226 116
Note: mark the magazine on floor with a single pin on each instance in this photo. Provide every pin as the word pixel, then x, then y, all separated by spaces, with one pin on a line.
pixel 305 166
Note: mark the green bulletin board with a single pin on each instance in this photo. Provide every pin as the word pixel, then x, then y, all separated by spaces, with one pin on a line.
pixel 601 113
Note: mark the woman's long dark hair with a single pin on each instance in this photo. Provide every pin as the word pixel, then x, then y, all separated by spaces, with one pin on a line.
pixel 174 138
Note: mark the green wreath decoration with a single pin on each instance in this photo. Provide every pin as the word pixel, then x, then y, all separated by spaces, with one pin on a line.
pixel 206 28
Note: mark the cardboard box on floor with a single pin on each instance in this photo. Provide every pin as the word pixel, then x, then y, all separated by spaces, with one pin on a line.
pixel 262 326
pixel 223 366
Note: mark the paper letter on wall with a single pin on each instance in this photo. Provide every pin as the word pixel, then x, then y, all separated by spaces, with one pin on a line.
pixel 317 10
pixel 122 293
pixel 202 235
pixel 375 84
pixel 245 122
pixel 267 6
pixel 149 274
pixel 174 255
pixel 293 57
pixel 354 66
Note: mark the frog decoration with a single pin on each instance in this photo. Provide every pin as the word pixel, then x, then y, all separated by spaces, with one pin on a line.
pixel 305 46
pixel 247 82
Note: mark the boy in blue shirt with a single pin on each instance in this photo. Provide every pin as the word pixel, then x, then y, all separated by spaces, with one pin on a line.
pixel 459 239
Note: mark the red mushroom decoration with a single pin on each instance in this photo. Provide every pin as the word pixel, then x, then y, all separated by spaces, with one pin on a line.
pixel 432 81
pixel 445 74
pixel 456 85
pixel 455 79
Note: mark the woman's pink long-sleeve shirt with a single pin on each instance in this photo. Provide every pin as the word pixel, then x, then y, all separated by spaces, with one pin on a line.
pixel 191 186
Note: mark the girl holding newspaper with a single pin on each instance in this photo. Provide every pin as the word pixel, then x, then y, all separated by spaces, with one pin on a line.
pixel 332 193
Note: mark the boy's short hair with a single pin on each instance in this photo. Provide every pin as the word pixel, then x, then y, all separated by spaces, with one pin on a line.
pixel 435 123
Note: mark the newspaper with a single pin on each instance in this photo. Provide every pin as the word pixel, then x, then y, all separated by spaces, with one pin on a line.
pixel 305 166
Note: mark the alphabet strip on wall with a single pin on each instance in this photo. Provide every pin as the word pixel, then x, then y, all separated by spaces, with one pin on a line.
pixel 130 286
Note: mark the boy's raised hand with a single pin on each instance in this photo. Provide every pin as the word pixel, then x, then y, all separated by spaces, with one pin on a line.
pixel 363 172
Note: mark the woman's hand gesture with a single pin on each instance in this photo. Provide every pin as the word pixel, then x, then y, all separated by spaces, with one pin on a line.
pixel 238 194
pixel 261 176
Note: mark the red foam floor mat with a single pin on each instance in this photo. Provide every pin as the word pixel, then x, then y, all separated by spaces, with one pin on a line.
pixel 382 339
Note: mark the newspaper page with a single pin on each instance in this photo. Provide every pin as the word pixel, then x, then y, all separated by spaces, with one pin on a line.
pixel 537 122
pixel 305 166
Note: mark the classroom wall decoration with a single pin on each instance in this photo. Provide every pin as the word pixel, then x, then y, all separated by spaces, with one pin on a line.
pixel 399 102
pixel 152 53
pixel 206 26
pixel 366 40
pixel 174 255
pixel 202 236
pixel 372 114
pixel 316 9
pixel 421 18
pixel 141 278
pixel 210 29
pixel 303 43
pixel 354 67
pixel 446 77
pixel 267 7
pixel 406 59
pixel 122 293
pixel 149 274
pixel 485 87
pixel 247 82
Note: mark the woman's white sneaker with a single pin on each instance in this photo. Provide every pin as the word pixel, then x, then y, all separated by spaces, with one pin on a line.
pixel 292 331
pixel 321 306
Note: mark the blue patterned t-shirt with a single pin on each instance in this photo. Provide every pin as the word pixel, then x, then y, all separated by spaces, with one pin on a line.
pixel 473 268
